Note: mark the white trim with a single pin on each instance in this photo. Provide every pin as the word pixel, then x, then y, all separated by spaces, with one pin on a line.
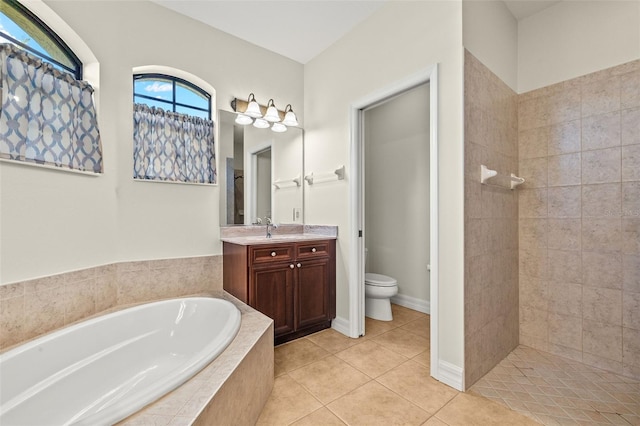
pixel 434 224
pixel 414 303
pixel 51 167
pixel 356 200
pixel 356 291
pixel 341 325
pixel 451 375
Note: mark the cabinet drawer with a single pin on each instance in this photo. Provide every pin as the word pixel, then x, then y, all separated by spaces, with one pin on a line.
pixel 277 253
pixel 313 249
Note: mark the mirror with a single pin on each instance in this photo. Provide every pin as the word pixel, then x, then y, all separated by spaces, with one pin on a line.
pixel 257 169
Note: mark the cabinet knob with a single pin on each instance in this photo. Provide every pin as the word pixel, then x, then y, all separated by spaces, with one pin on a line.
pixel 298 265
pixel 313 250
pixel 291 266
pixel 273 254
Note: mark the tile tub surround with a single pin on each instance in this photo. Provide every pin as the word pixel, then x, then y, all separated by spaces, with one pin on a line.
pixel 29 309
pixel 491 221
pixel 579 245
pixel 232 389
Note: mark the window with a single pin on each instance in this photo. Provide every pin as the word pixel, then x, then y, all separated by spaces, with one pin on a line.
pixel 173 134
pixel 171 94
pixel 22 28
pixel 47 115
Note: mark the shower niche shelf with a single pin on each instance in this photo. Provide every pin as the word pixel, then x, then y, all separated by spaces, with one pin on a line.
pixel 510 181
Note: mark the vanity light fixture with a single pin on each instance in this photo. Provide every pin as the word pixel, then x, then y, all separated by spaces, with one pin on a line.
pixel 250 111
pixel 260 123
pixel 272 112
pixel 253 109
pixel 290 118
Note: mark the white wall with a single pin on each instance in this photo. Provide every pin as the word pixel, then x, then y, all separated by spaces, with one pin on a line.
pixel 396 233
pixel 574 38
pixel 490 33
pixel 287 161
pixel 397 41
pixel 53 222
pixel 225 150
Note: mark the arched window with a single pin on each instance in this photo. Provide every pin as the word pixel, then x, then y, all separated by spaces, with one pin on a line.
pixel 173 134
pixel 22 28
pixel 47 115
pixel 171 94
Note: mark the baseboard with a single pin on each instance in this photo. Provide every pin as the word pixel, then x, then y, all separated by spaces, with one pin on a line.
pixel 416 304
pixel 451 375
pixel 341 325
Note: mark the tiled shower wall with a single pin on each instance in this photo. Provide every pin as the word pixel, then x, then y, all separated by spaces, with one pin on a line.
pixel 31 308
pixel 579 150
pixel 491 221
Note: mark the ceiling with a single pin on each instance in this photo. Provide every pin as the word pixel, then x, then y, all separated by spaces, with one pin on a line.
pixel 523 8
pixel 299 29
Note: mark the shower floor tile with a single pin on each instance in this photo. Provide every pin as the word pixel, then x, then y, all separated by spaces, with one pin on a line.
pixel 558 391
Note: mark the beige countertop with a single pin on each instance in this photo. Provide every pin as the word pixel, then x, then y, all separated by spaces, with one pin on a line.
pixel 251 235
pixel 275 239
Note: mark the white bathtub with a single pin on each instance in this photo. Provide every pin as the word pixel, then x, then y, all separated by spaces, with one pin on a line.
pixel 102 370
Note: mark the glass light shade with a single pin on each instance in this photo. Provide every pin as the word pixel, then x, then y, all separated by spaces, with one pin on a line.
pixel 279 127
pixel 253 110
pixel 290 118
pixel 261 123
pixel 243 119
pixel 272 112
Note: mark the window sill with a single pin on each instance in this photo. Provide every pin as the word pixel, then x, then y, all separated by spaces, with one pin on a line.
pixel 50 167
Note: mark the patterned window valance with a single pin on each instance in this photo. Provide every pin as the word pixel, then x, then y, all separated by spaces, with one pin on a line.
pixel 169 146
pixel 47 116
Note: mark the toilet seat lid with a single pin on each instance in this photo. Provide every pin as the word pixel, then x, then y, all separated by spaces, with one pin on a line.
pixel 379 280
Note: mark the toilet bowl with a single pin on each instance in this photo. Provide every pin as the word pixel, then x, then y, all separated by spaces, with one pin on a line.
pixel 378 291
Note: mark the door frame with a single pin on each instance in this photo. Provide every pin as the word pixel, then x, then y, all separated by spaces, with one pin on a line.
pixel 251 182
pixel 356 191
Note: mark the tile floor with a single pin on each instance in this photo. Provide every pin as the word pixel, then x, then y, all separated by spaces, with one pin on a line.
pixel 558 391
pixel 380 379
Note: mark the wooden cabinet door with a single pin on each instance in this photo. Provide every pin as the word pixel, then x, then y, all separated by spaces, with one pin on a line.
pixel 312 292
pixel 271 292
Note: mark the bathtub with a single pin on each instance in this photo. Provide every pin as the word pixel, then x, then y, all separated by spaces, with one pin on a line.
pixel 100 371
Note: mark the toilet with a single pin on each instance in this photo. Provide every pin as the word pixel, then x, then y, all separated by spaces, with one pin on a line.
pixel 378 291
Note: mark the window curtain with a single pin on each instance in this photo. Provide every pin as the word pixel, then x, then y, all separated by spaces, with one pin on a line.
pixel 169 146
pixel 47 116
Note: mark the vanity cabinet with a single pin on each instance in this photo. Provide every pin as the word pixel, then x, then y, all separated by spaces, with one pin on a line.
pixel 294 283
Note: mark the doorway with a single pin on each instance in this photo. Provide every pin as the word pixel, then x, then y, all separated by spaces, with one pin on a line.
pixel 396 193
pixel 257 182
pixel 358 200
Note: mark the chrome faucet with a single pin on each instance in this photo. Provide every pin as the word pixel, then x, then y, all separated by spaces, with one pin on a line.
pixel 270 226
